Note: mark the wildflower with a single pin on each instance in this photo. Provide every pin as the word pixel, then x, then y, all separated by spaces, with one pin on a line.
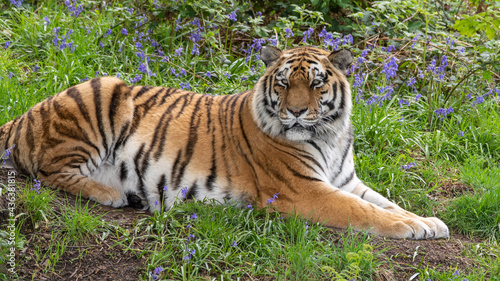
pixel 196 50
pixel 432 66
pixel 272 199
pixel 124 31
pixel 306 226
pixel 190 238
pixel 450 42
pixel 165 188
pixel 209 74
pixel 185 86
pixel 196 22
pixel 136 79
pixel 289 32
pixel 401 120
pixel 75 11
pixel 138 45
pixel 406 167
pixel 47 20
pixel 143 68
pixel 348 39
pixel 108 32
pixel 478 100
pixel 118 75
pixel 405 102
pixel 89 29
pixel 101 45
pixel 140 55
pixel 364 53
pixel 194 216
pixel 184 192
pixel 411 83
pixel 460 133
pixel 182 72
pixel 130 10
pixel 390 68
pixel 7 154
pixel 156 202
pixel 36 68
pixel 178 52
pixel 250 206
pixel 7 44
pixel 232 16
pixel 228 75
pixel 414 40
pixel 190 254
pixel 442 112
pixel 417 97
pixel 323 32
pixel 273 41
pixel 10 75
pixel 156 273
pixel 420 74
pixel 234 244
pixel 307 34
pixel 36 186
pixel 461 51
pixel 16 3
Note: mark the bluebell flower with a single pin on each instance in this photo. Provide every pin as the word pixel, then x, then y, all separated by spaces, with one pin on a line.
pixel 289 32
pixel 414 40
pixel 450 42
pixel 194 216
pixel 143 68
pixel 136 79
pixel 460 133
pixel 10 75
pixel 307 34
pixel 390 68
pixel 124 31
pixel 323 32
pixel 208 74
pixel 185 86
pixel 234 244
pixel 184 192
pixel 443 112
pixel 36 68
pixel 250 206
pixel 130 10
pixel 228 75
pixel 7 154
pixel 178 51
pixel 403 102
pixel 156 273
pixel 272 199
pixel 7 44
pixel 306 226
pixel 406 167
pixel 196 50
pixel 16 3
pixel 182 72
pixel 36 186
pixel 232 16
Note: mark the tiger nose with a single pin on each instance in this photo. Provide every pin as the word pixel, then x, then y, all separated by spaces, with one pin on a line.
pixel 296 112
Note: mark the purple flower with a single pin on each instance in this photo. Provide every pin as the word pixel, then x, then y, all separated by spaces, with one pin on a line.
pixel 228 75
pixel 16 3
pixel 7 44
pixel 138 45
pixel 323 32
pixel 273 41
pixel 414 40
pixel 232 16
pixel 460 133
pixel 136 79
pixel 124 31
pixel 182 72
pixel 289 32
pixel 10 75
pixel 130 10
pixel 36 68
pixel 184 192
pixel 143 68
pixel 190 254
pixel 36 186
pixel 185 86
pixel 432 66
pixel 348 39
pixel 196 50
pixel 450 42
pixel 403 102
pixel 7 154
pixel 306 226
pixel 417 97
pixel 272 199
pixel 406 167
pixel 108 32
pixel 47 20
pixel 307 34
pixel 156 273
pixel 209 74
pixel 390 68
pixel 411 83
pixel 442 112
pixel 156 202
pixel 178 52
pixel 194 216
pixel 364 52
pixel 165 188
pixel 234 244
pixel 75 11
pixel 249 206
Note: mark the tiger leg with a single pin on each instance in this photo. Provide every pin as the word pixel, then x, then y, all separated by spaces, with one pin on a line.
pixel 78 184
pixel 337 208
pixel 368 194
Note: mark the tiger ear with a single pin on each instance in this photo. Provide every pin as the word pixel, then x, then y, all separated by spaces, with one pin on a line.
pixel 269 54
pixel 341 59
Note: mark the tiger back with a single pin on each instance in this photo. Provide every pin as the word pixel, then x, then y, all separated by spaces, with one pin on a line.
pixel 289 137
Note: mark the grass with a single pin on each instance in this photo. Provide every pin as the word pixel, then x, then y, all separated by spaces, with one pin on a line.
pixel 231 243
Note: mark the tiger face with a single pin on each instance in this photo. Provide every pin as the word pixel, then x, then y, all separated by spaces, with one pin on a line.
pixel 303 92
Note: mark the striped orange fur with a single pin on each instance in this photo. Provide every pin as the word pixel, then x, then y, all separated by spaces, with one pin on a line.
pixel 144 146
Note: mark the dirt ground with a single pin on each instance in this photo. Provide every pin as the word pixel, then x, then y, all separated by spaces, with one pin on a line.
pixel 105 260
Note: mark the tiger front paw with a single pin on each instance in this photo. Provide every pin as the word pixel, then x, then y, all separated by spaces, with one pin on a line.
pixel 110 197
pixel 421 228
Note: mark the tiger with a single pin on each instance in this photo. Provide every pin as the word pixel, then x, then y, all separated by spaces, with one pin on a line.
pixel 285 145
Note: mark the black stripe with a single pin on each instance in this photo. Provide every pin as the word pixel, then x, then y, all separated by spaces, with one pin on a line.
pixel 113 107
pixel 174 169
pixel 142 91
pixel 137 159
pixel 76 96
pixel 161 184
pixel 213 169
pixel 315 145
pixel 191 142
pixel 96 88
pixel 363 194
pixel 123 171
pixel 342 95
pixel 192 191
pixel 347 180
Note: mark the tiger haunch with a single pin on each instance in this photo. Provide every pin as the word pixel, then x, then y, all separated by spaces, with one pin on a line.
pixel 146 146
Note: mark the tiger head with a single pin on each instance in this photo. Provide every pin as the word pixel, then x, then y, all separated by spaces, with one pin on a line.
pixel 304 93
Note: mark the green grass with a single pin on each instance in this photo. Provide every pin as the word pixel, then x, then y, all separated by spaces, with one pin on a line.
pixel 386 136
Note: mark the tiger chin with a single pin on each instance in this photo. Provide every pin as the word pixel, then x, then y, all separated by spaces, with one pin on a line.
pixel 145 146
